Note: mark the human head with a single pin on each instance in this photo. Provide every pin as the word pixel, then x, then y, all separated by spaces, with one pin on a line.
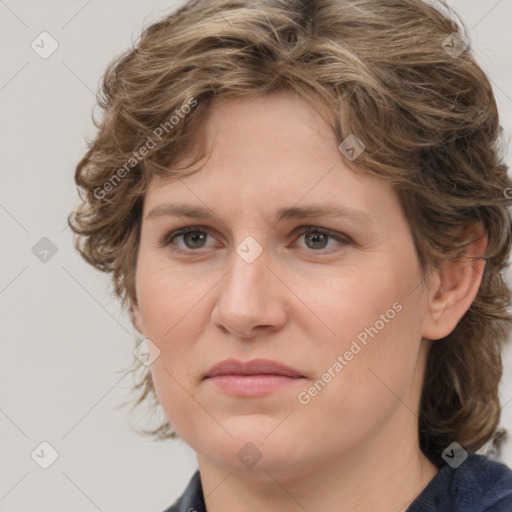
pixel 428 121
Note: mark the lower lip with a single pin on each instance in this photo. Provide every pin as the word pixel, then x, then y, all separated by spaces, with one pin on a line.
pixel 252 385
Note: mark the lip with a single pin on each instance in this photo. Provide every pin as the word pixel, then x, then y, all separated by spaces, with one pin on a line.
pixel 257 377
pixel 253 367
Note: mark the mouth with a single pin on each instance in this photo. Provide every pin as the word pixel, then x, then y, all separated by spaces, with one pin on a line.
pixel 253 378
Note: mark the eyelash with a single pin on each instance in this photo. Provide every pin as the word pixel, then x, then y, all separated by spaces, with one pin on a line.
pixel 168 238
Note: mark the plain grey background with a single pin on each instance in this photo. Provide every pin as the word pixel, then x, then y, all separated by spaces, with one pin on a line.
pixel 65 341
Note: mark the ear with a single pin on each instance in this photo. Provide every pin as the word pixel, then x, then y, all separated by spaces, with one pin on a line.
pixel 136 317
pixel 454 288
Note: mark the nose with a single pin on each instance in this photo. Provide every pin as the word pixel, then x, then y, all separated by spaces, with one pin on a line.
pixel 251 300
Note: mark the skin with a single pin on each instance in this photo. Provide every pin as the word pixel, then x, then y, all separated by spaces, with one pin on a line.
pixel 354 446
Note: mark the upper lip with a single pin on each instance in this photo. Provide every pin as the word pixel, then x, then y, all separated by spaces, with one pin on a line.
pixel 253 367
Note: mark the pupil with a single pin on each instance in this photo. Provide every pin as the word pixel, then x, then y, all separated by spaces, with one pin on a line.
pixel 315 238
pixel 195 237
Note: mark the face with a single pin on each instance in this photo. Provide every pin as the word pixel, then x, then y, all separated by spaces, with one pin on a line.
pixel 289 257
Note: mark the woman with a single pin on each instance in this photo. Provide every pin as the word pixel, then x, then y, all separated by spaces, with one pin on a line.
pixel 303 206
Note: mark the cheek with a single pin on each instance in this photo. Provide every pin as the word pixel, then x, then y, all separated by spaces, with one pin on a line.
pixel 173 316
pixel 166 297
pixel 354 300
pixel 170 388
pixel 374 318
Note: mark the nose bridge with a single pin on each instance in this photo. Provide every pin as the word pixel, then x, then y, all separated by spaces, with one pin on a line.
pixel 247 281
pixel 248 298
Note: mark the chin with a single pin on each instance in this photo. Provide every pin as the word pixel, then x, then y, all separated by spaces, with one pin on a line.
pixel 256 450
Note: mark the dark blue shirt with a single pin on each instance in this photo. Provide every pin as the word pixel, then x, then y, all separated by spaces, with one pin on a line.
pixel 477 485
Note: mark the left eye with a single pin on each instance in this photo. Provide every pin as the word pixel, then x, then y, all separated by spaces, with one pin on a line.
pixel 318 239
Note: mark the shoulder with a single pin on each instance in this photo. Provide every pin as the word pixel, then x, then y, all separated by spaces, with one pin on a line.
pixel 484 483
pixel 479 484
pixel 192 499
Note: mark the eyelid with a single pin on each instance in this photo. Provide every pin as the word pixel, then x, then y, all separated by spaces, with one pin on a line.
pixel 340 237
pixel 175 233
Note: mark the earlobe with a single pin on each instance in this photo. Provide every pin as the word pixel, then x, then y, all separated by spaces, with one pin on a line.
pixel 454 288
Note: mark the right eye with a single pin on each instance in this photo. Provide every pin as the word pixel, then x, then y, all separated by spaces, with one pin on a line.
pixel 191 238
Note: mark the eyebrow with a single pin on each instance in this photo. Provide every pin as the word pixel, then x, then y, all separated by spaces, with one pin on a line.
pixel 285 213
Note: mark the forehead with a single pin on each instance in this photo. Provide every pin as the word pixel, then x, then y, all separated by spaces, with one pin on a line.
pixel 268 152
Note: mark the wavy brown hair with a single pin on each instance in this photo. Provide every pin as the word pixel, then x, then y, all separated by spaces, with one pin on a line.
pixel 427 117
